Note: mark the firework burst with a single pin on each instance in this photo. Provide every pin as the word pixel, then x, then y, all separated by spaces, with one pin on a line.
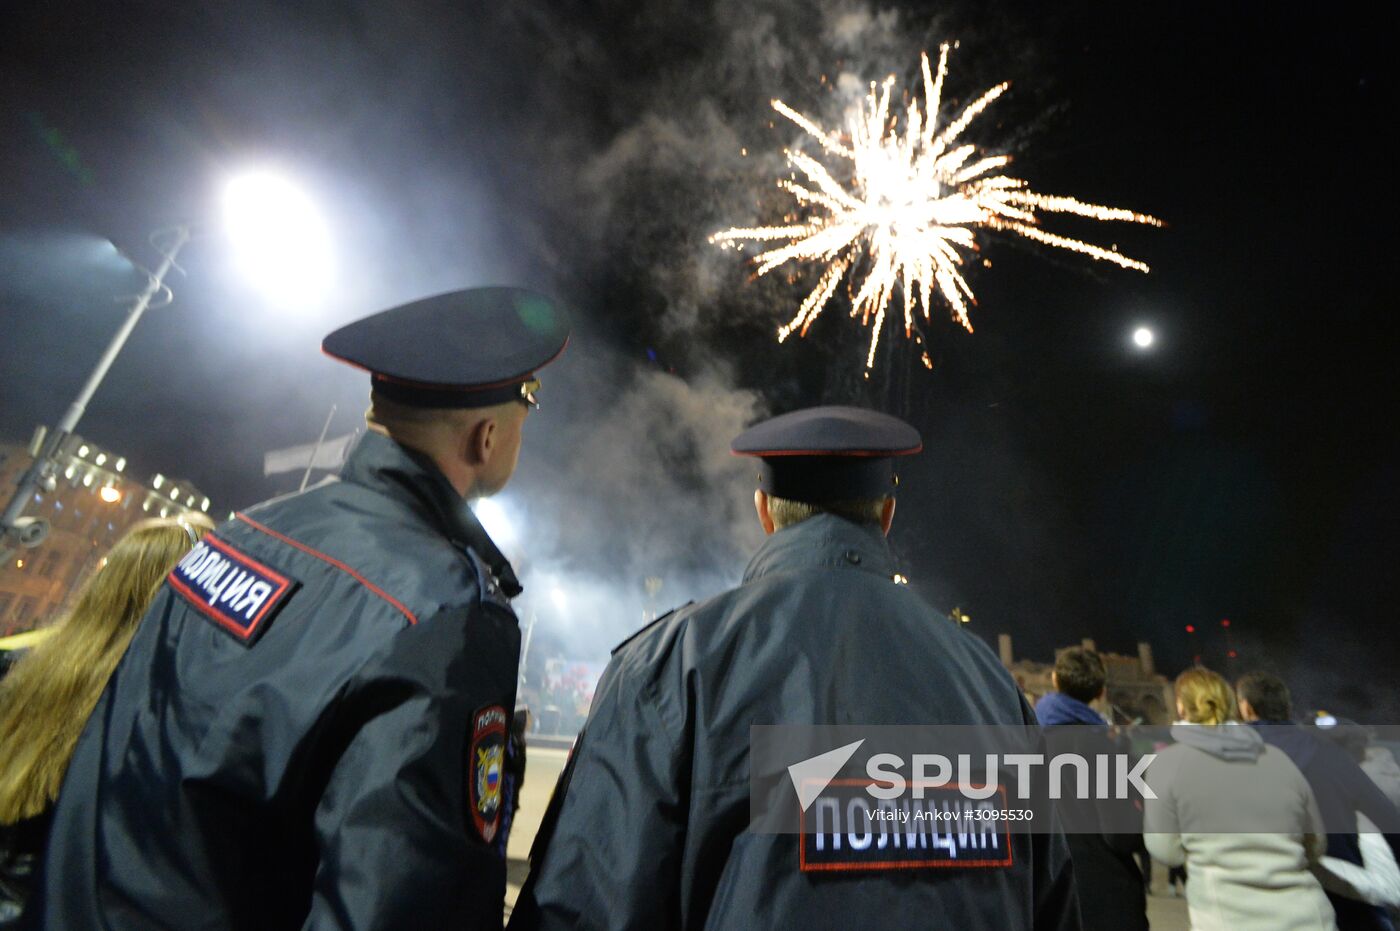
pixel 907 210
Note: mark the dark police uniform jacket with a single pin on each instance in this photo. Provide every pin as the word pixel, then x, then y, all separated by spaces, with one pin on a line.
pixel 309 726
pixel 649 821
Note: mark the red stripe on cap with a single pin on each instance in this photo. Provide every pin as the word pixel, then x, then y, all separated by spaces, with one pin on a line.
pixel 412 618
pixel 866 453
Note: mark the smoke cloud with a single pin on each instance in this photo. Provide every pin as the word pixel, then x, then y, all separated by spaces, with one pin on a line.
pixel 643 488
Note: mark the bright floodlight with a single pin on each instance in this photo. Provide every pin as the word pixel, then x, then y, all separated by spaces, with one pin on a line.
pixel 109 494
pixel 281 244
pixel 1143 337
pixel 494 520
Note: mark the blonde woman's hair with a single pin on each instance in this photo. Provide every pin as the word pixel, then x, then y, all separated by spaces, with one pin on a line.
pixel 1205 697
pixel 47 697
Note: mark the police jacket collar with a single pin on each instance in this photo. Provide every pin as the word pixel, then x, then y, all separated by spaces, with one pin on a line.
pixel 413 479
pixel 824 541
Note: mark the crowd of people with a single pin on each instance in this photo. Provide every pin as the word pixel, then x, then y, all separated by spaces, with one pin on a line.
pixel 1272 823
pixel 306 717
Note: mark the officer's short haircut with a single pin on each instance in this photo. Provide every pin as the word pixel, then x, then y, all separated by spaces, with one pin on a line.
pixel 1267 695
pixel 390 413
pixel 786 512
pixel 1080 673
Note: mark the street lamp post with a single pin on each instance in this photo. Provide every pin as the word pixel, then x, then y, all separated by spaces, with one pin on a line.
pixel 15 528
pixel 272 225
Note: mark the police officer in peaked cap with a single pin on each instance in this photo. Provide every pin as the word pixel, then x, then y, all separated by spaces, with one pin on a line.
pixel 648 828
pixel 309 728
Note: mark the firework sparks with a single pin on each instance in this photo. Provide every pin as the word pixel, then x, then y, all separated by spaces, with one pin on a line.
pixel 909 209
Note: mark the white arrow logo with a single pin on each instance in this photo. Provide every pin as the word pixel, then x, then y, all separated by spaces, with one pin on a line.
pixel 811 776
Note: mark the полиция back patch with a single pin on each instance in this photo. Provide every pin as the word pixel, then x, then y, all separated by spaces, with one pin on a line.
pixel 843 830
pixel 230 588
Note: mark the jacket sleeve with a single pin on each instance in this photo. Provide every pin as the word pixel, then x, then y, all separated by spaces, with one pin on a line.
pixel 1376 881
pixel 397 841
pixel 613 859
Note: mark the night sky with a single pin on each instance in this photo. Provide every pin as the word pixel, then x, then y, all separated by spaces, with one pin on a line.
pixel 1245 468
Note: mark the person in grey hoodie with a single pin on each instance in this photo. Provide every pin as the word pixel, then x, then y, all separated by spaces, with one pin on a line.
pixel 1239 815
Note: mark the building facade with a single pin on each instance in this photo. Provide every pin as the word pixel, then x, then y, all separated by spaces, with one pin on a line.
pixel 1136 691
pixel 95 501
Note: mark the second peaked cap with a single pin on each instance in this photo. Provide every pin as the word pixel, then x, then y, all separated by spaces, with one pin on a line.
pixel 828 453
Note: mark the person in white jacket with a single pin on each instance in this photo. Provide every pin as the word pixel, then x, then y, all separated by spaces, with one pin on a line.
pixel 1376 881
pixel 1239 815
pixel 1379 763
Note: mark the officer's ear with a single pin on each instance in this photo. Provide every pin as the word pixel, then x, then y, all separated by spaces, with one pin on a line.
pixel 480 441
pixel 887 515
pixel 760 504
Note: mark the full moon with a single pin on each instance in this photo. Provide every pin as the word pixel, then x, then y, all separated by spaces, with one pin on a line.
pixel 1143 337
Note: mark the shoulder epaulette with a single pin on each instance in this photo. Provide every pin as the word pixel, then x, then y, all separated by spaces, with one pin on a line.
pixel 648 626
pixel 487 588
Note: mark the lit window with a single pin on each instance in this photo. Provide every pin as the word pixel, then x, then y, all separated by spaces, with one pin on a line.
pixel 174 493
pixel 205 505
pixel 101 459
pixel 87 480
pixel 121 463
pixel 146 506
pixel 189 502
pixel 68 472
pixel 83 450
pixel 19 563
pixel 165 512
pixel 158 481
